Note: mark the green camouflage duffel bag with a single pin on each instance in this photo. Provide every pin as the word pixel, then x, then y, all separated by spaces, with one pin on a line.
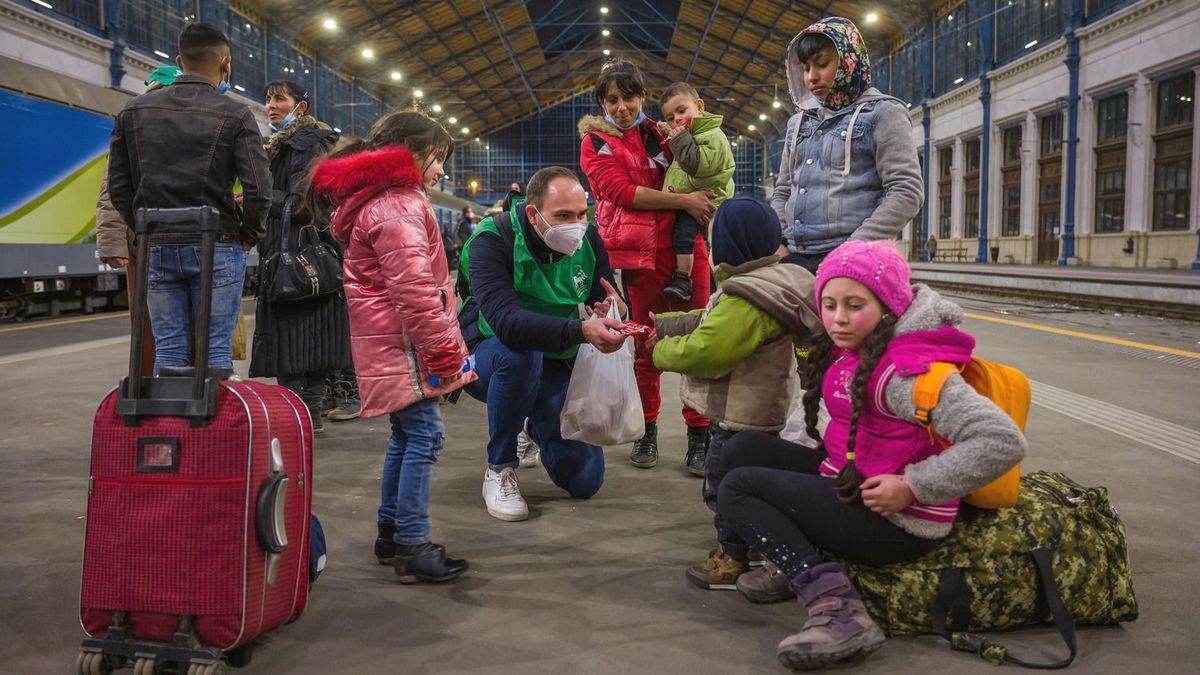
pixel 1059 555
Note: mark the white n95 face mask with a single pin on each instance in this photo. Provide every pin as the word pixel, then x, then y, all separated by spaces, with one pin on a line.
pixel 565 238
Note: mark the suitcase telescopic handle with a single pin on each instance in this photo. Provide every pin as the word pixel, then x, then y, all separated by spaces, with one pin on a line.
pixel 145 223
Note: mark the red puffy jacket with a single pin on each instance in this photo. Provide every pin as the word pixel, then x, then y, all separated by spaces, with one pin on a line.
pixel 403 313
pixel 616 163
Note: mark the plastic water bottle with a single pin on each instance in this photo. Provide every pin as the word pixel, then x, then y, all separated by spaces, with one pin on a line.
pixel 468 366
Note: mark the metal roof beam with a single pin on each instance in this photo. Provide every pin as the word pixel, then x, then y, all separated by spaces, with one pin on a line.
pixel 654 41
pixel 555 40
pixel 495 21
pixel 703 37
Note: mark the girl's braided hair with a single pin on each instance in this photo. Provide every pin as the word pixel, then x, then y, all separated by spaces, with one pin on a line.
pixel 873 346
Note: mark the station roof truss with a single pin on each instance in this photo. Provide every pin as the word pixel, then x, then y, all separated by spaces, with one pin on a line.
pixel 492 63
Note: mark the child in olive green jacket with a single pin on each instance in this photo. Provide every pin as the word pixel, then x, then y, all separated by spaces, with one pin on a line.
pixel 737 355
pixel 703 161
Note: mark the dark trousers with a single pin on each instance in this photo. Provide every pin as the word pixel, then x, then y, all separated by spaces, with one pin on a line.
pixel 520 385
pixel 808 261
pixel 310 387
pixel 683 237
pixel 773 495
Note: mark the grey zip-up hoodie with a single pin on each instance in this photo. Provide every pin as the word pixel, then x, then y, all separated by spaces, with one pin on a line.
pixel 852 173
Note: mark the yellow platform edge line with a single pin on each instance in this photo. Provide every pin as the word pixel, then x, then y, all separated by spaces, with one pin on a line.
pixel 1086 336
pixel 64 322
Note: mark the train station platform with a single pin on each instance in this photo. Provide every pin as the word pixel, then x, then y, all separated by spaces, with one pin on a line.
pixel 597 586
pixel 1177 292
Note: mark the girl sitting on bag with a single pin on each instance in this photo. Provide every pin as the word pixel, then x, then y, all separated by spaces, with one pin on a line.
pixel 403 318
pixel 885 492
pixel 737 355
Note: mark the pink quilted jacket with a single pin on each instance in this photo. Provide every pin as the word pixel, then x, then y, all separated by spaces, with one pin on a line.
pixel 403 313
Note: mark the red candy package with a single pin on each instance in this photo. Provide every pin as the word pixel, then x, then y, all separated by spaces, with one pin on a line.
pixel 635 328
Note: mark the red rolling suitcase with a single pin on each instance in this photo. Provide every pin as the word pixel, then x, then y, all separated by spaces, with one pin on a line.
pixel 199 497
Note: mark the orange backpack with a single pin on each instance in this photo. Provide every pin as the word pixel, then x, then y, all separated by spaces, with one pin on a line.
pixel 1005 386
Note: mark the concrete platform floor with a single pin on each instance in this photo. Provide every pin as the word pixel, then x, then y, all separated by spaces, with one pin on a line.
pixel 598 586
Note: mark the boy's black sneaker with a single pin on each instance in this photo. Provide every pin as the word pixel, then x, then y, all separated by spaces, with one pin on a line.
pixel 697 450
pixel 645 449
pixel 680 288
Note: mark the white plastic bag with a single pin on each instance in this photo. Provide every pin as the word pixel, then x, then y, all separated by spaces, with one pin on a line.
pixel 603 406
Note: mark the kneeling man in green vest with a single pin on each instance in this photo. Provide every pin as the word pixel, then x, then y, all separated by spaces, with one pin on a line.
pixel 536 284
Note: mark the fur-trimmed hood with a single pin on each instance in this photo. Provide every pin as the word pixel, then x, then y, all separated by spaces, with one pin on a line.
pixel 598 123
pixel 279 138
pixel 352 180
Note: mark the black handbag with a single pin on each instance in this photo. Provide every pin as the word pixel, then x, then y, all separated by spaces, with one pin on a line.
pixel 312 271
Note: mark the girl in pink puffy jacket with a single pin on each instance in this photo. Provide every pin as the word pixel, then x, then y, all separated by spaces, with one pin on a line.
pixel 403 318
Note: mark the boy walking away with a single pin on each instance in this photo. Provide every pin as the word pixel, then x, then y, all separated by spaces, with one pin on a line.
pixel 737 355
pixel 703 161
pixel 185 146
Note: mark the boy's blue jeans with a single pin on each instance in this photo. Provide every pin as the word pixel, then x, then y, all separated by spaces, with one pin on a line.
pixel 173 291
pixel 416 443
pixel 520 384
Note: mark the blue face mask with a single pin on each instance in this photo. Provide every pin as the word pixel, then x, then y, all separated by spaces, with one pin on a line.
pixel 291 117
pixel 224 85
pixel 640 118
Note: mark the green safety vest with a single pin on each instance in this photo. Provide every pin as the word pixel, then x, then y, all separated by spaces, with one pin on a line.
pixel 553 289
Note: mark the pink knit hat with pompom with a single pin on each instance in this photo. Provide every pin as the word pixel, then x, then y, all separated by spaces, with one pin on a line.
pixel 876 265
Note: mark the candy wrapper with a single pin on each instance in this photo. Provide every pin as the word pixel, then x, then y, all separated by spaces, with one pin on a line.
pixel 635 328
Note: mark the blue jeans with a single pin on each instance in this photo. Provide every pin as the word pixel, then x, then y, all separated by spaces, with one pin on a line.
pixel 516 385
pixel 173 291
pixel 416 443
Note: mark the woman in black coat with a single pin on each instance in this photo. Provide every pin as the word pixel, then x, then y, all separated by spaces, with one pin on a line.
pixel 297 342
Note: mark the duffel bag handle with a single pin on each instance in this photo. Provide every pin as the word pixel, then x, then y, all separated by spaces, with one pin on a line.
pixel 953 595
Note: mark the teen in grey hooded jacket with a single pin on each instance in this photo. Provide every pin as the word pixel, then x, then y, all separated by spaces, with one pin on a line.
pixel 849 166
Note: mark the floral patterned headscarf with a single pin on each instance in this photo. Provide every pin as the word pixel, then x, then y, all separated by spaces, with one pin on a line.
pixel 853 73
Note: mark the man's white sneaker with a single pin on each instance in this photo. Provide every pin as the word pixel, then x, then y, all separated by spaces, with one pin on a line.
pixel 503 496
pixel 527 451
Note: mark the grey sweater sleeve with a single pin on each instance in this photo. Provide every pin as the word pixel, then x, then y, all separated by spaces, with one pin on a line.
pixel 986 441
pixel 783 177
pixel 899 171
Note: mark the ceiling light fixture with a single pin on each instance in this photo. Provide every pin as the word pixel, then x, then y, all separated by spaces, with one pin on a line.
pixel 396 76
pixel 329 24
pixel 607 52
pixel 762 117
pixel 958 81
pixel 604 10
pixel 776 104
pixel 368 53
pixel 437 108
pixel 751 127
pixel 466 130
pixel 453 120
pixel 417 93
pixel 605 32
pixel 872 17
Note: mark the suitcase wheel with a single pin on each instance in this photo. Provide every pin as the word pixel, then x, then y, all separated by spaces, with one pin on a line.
pixel 92 663
pixel 206 669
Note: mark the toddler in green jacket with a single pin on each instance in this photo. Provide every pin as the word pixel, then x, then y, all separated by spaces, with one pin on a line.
pixel 703 161
pixel 737 355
